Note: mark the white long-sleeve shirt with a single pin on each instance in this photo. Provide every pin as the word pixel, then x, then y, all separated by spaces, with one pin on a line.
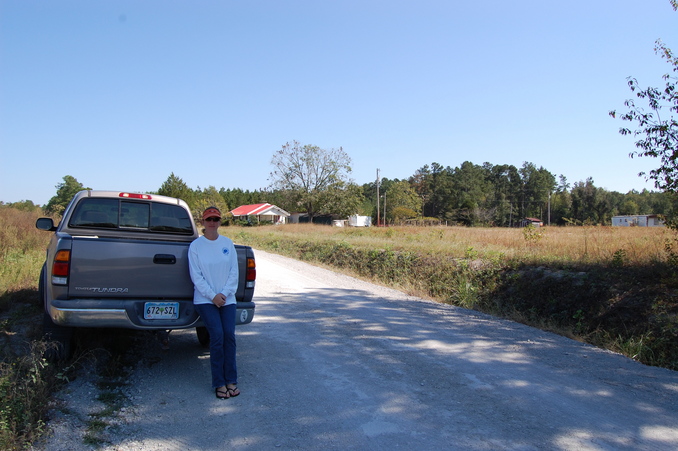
pixel 214 269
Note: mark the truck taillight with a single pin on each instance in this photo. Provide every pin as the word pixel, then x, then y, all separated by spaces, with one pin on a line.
pixel 61 267
pixel 251 275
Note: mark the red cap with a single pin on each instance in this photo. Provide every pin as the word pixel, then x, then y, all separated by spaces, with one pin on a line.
pixel 211 212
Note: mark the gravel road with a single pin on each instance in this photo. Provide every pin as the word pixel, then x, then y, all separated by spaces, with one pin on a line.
pixel 331 362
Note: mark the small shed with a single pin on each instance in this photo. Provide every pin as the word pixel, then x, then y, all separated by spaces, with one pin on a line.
pixel 261 212
pixel 637 221
pixel 536 222
pixel 359 221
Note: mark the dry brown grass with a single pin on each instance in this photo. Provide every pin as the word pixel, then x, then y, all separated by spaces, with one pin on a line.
pixel 637 245
pixel 22 251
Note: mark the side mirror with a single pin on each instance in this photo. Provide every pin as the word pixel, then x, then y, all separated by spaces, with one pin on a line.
pixel 45 224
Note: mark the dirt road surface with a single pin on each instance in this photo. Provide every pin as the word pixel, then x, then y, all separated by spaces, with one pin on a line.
pixel 331 362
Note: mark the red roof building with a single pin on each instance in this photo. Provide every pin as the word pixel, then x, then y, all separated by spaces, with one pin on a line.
pixel 531 221
pixel 261 212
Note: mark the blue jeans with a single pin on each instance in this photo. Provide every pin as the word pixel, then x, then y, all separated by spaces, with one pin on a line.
pixel 220 323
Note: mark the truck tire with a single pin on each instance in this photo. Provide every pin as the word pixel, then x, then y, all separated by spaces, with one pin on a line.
pixel 59 338
pixel 203 336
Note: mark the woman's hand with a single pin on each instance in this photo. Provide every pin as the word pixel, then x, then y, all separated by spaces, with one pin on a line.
pixel 219 300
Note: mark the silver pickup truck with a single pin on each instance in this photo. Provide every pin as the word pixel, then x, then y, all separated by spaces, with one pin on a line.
pixel 120 260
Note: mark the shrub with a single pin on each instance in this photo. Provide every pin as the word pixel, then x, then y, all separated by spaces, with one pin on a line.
pixel 25 386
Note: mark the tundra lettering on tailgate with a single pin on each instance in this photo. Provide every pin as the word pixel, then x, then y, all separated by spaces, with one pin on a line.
pixel 102 290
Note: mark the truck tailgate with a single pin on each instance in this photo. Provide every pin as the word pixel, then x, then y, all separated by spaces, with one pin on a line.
pixel 122 268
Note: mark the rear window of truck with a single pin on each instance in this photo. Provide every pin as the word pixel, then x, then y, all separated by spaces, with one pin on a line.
pixel 101 213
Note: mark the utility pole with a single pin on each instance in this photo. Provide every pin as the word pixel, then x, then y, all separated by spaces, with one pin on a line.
pixel 384 208
pixel 377 197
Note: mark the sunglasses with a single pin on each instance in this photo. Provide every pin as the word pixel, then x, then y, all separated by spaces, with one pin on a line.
pixel 213 219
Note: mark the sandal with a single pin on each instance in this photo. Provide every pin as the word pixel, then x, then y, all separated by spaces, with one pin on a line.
pixel 222 394
pixel 232 391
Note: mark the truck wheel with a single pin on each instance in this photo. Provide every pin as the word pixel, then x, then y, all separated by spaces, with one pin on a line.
pixel 203 336
pixel 59 339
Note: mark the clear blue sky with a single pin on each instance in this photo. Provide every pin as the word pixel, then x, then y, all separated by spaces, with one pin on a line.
pixel 120 94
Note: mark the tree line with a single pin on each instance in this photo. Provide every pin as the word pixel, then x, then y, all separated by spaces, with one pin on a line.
pixel 503 195
pixel 469 194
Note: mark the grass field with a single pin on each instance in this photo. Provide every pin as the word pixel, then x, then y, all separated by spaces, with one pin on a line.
pixel 22 251
pixel 578 245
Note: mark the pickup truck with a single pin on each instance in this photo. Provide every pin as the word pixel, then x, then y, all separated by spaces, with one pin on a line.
pixel 120 260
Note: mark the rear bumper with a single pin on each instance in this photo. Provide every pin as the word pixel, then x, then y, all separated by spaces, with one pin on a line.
pixel 126 314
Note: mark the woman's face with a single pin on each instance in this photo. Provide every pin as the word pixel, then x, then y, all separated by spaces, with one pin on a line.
pixel 211 223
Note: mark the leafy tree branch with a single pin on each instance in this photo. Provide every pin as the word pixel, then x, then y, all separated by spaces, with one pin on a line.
pixel 656 126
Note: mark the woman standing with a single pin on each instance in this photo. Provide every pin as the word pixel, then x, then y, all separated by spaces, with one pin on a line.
pixel 214 271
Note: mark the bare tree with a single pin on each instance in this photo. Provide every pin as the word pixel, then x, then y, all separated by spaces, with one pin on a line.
pixel 304 174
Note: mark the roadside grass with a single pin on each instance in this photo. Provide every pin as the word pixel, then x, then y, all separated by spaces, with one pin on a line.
pixel 616 288
pixel 22 253
pixel 27 379
pixel 24 389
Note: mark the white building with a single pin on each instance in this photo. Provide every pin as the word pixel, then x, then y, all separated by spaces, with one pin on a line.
pixel 359 221
pixel 637 221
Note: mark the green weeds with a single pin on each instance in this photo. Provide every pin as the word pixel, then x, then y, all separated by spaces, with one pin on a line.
pixel 25 386
pixel 532 234
pixel 619 258
pixel 27 378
